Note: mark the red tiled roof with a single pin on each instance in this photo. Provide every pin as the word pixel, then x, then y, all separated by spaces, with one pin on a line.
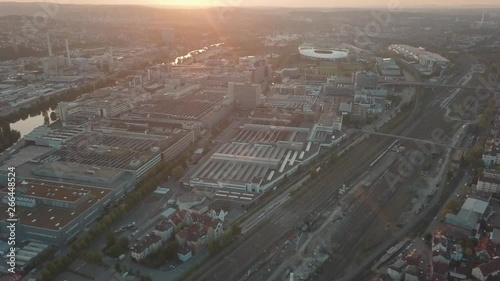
pixel 487 245
pixel 193 233
pixel 440 268
pixel 163 226
pixel 490 267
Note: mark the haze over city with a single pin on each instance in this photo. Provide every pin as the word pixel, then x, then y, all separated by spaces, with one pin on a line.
pixel 283 3
pixel 250 140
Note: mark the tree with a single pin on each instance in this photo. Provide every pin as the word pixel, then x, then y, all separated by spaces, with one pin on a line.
pixel 313 174
pixel 53 116
pixel 214 247
pixel 114 251
pixel 235 229
pixel 118 267
pixel 110 239
pixel 123 242
pixel 428 237
pixel 177 172
pixel 93 257
pixel 46 120
pixel 453 205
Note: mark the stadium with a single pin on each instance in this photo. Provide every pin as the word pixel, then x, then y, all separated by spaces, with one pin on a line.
pixel 323 54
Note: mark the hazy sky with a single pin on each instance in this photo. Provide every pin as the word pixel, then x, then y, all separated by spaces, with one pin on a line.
pixel 283 3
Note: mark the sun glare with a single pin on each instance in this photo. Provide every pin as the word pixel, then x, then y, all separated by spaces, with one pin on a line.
pixel 191 2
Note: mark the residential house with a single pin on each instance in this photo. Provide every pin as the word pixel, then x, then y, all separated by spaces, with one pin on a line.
pixel 164 229
pixel 146 246
pixel 217 212
pixel 395 270
pixel 411 273
pixel 178 219
pixel 184 253
pixel 412 259
pixel 459 273
pixel 439 242
pixel 441 257
pixel 495 236
pixel 215 224
pixel 486 249
pixel 456 253
pixel 439 271
pixel 194 236
pixel 486 270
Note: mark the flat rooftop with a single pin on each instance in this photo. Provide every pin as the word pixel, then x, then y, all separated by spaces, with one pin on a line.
pixel 50 217
pixel 73 168
pixel 329 118
pixel 257 154
pixel 24 155
pixel 113 150
pixel 190 107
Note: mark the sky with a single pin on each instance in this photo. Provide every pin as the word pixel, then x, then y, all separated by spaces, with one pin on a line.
pixel 281 3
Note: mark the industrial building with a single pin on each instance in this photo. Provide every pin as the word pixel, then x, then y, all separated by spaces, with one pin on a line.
pixel 46 135
pixel 427 60
pixel 107 102
pixel 137 153
pixel 388 67
pixel 205 108
pixel 472 211
pixel 256 159
pixel 54 212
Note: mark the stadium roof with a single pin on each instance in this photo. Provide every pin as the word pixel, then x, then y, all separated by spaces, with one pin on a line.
pixel 325 54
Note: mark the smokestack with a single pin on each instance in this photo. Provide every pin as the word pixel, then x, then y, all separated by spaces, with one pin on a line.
pixel 49 46
pixel 482 19
pixel 149 74
pixel 67 52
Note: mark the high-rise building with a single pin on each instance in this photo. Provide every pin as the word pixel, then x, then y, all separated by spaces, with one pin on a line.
pixel 245 95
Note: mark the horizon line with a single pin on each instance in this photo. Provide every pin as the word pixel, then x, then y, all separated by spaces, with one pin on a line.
pixel 422 6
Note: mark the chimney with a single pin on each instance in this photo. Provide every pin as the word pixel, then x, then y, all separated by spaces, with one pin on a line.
pixel 67 52
pixel 49 46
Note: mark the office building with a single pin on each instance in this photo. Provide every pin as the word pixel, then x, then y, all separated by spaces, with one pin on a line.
pixel 245 95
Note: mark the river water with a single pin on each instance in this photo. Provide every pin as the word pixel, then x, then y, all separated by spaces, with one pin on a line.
pixel 26 126
pixel 32 122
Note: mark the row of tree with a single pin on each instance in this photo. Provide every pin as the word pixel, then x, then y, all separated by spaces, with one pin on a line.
pixel 7 136
pixel 218 245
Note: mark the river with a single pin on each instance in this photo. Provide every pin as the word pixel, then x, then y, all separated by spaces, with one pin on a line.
pixel 28 125
pixel 182 59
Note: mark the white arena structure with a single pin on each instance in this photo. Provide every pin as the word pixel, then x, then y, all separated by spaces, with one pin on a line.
pixel 323 53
